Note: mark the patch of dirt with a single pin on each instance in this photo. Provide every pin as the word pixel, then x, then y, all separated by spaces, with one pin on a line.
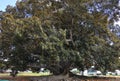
pixel 15 78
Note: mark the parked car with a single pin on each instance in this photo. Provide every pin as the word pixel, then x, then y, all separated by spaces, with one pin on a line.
pixel 117 72
pixel 98 72
pixel 94 72
pixel 75 71
pixel 8 71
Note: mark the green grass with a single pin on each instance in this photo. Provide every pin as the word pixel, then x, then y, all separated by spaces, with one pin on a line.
pixel 26 74
pixel 33 74
pixel 4 74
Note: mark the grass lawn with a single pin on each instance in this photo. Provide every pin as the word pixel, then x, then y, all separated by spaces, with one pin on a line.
pixel 39 74
pixel 26 74
pixel 33 74
pixel 4 74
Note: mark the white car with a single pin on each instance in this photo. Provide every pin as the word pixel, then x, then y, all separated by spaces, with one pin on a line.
pixel 98 72
pixel 117 72
pixel 94 73
pixel 8 70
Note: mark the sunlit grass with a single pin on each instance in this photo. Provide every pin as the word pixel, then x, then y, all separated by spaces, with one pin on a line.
pixel 4 74
pixel 26 74
pixel 33 74
pixel 41 74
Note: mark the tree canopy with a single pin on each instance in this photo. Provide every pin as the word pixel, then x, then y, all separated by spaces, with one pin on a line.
pixel 60 34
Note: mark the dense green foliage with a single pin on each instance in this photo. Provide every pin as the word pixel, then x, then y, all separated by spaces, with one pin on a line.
pixel 60 35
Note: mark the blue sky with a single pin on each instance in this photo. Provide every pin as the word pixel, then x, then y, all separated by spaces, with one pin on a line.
pixel 4 3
